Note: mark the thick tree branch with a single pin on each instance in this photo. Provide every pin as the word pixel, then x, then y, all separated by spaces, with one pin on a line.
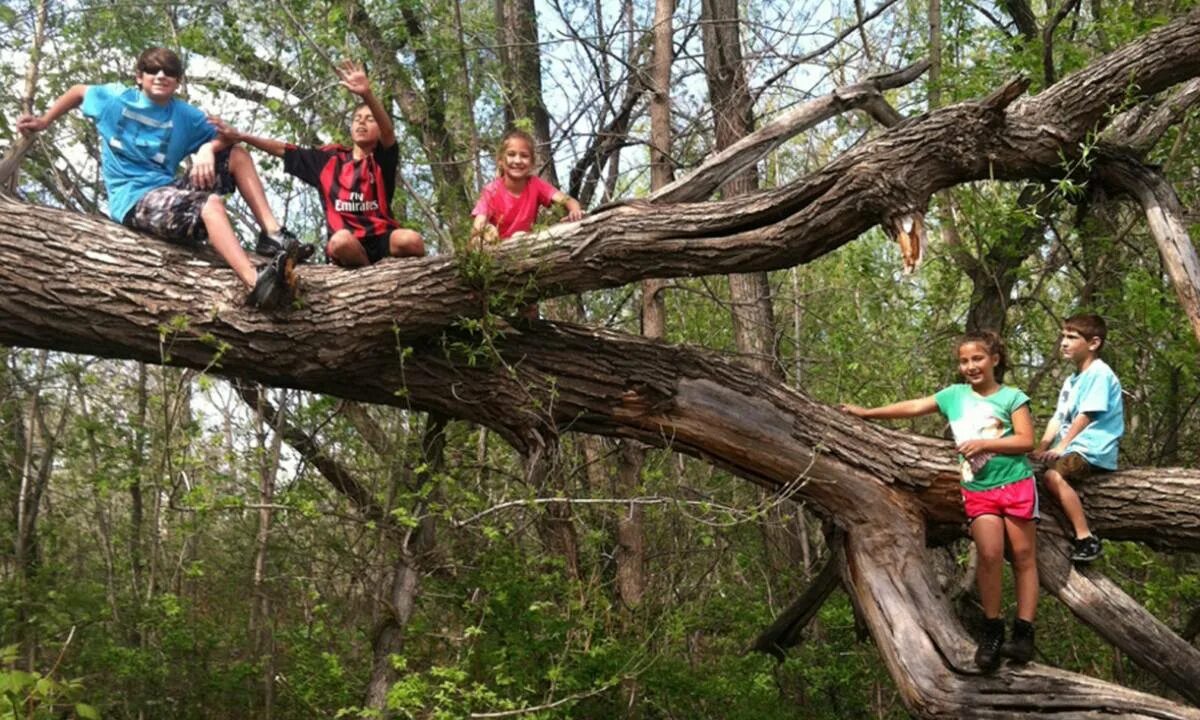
pixel 732 161
pixel 1118 618
pixel 1164 216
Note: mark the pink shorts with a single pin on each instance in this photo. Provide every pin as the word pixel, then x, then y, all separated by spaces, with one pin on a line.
pixel 1017 500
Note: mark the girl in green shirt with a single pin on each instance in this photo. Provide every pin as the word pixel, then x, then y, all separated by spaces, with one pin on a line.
pixel 993 430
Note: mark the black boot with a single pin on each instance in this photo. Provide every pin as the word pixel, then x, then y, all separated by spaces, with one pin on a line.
pixel 987 655
pixel 1020 648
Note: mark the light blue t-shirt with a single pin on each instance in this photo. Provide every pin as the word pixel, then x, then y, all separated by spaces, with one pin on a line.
pixel 141 143
pixel 1097 392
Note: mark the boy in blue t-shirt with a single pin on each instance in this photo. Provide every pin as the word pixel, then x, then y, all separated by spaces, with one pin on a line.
pixel 145 132
pixel 1081 438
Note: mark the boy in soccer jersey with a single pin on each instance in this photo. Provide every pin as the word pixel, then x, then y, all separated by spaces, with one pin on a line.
pixel 356 183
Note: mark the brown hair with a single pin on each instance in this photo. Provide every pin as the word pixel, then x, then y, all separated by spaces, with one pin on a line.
pixel 515 134
pixel 991 342
pixel 160 57
pixel 1089 326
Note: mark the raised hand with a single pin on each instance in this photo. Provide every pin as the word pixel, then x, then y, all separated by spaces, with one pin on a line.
pixel 354 78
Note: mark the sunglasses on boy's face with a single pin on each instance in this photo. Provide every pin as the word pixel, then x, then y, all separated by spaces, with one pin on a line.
pixel 156 69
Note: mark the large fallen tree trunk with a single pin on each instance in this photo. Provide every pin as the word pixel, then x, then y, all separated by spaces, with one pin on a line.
pixel 388 334
pixel 548 377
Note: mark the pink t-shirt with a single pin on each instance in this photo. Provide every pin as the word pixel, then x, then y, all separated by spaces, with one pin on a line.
pixel 514 213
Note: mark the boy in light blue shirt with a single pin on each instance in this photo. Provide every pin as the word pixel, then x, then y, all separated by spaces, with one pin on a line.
pixel 1082 437
pixel 145 132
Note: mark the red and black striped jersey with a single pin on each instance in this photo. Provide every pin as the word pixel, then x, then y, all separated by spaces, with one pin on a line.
pixel 356 194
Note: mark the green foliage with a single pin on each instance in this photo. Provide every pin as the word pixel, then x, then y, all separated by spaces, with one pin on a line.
pixel 34 696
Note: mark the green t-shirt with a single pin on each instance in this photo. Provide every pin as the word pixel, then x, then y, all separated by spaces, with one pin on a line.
pixel 974 417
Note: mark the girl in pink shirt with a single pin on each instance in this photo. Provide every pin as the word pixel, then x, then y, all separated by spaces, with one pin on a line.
pixel 509 204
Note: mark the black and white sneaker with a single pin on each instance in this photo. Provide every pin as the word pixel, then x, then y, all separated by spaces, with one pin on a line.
pixel 271 244
pixel 276 284
pixel 1085 550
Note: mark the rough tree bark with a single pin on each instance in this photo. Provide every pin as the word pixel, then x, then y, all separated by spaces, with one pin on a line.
pixel 80 284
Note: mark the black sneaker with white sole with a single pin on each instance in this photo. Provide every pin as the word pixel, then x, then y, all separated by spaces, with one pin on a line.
pixel 276 284
pixel 271 244
pixel 1085 550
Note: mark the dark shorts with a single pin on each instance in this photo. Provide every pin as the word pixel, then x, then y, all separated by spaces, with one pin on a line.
pixel 1073 468
pixel 377 248
pixel 172 212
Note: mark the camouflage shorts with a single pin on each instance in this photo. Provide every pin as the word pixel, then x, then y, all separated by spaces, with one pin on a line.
pixel 1073 467
pixel 172 212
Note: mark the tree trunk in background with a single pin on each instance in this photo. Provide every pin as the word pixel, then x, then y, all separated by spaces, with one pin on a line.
pixel 413 548
pixel 35 450
pixel 521 76
pixel 136 503
pixel 12 159
pixel 750 293
pixel 261 617
pixel 631 553
pixel 733 115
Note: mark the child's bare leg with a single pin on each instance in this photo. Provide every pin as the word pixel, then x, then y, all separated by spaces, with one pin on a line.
pixel 1022 536
pixel 245 174
pixel 988 533
pixel 346 250
pixel 225 241
pixel 406 243
pixel 1069 500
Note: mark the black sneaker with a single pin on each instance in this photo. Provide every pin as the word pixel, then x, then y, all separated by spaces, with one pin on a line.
pixel 1085 550
pixel 271 244
pixel 987 655
pixel 1020 648
pixel 276 284
pixel 269 290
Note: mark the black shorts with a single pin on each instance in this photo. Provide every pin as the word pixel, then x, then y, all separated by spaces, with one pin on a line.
pixel 172 212
pixel 377 248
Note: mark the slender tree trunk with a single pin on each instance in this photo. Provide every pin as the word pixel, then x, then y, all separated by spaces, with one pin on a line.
pixel 12 159
pixel 138 465
pixel 413 548
pixel 750 293
pixel 521 72
pixel 261 617
pixel 630 555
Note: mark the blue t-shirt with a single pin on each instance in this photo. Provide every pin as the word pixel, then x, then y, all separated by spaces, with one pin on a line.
pixel 1097 392
pixel 141 142
pixel 983 417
